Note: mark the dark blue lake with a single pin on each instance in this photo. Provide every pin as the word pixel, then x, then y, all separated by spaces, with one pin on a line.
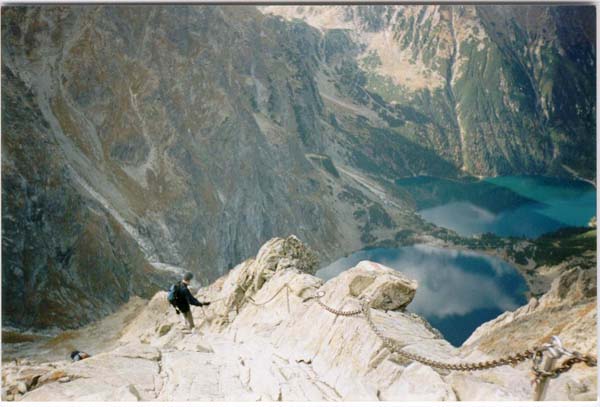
pixel 519 206
pixel 458 290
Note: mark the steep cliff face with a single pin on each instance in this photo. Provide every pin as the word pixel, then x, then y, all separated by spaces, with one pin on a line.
pixel 140 138
pixel 200 130
pixel 494 89
pixel 152 108
pixel 66 260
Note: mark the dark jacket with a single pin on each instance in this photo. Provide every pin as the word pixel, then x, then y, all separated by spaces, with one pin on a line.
pixel 185 299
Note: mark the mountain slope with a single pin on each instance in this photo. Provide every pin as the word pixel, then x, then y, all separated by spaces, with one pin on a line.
pixel 495 89
pixel 196 133
pixel 198 129
pixel 66 260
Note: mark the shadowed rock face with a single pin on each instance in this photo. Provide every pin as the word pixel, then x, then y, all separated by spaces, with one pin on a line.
pixel 66 261
pixel 270 344
pixel 139 137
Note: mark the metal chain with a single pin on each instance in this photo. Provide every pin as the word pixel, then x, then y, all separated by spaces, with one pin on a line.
pixel 565 366
pixel 535 354
pixel 253 302
pixel 287 295
pixel 258 304
pixel 330 309
pixel 393 347
pixel 488 364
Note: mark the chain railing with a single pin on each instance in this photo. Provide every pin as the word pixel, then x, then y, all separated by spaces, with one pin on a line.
pixel 320 294
pixel 287 297
pixel 488 364
pixel 543 357
pixel 258 304
pixel 566 365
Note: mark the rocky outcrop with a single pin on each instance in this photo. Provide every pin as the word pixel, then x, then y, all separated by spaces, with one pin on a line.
pixel 569 310
pixel 384 288
pixel 276 342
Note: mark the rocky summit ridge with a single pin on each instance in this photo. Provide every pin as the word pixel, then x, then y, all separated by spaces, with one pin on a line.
pixel 266 337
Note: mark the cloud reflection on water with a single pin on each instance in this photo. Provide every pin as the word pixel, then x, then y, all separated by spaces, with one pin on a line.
pixel 451 282
pixel 468 219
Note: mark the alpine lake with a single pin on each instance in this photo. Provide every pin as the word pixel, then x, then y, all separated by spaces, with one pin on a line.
pixel 459 289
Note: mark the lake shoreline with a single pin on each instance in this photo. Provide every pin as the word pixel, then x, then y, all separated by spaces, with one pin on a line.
pixel 513 250
pixel 523 206
pixel 458 289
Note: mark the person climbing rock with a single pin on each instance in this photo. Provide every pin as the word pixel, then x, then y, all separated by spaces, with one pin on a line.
pixel 78 355
pixel 181 298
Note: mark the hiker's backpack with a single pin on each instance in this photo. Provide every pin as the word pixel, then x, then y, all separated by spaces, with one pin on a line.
pixel 173 295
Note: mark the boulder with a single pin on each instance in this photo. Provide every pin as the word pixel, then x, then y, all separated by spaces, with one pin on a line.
pixel 386 288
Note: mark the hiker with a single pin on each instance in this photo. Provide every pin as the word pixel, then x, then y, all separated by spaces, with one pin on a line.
pixel 180 297
pixel 77 355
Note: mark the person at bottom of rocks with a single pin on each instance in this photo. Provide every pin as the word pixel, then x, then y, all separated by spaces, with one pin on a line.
pixel 184 299
pixel 78 355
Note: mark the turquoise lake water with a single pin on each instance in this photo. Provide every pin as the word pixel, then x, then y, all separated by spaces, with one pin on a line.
pixel 539 205
pixel 458 290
